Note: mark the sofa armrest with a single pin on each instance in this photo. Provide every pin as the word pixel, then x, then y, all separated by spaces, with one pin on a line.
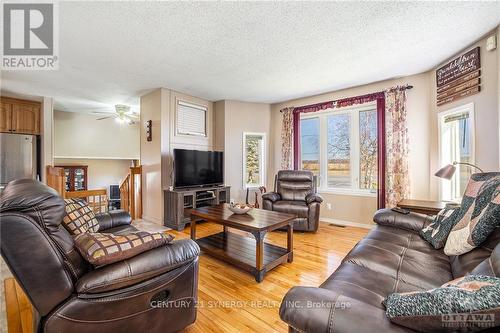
pixel 313 197
pixel 411 221
pixel 139 268
pixel 310 309
pixel 112 219
pixel 271 196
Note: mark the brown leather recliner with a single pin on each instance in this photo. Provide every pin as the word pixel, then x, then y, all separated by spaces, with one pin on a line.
pixel 295 193
pixel 392 258
pixel 154 291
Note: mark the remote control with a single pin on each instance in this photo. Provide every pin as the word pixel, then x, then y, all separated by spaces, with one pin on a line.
pixel 400 210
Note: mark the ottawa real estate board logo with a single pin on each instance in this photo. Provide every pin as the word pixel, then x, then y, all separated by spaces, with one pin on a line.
pixel 30 36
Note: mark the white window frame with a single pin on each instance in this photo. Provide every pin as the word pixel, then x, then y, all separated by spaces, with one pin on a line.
pixel 354 148
pixel 195 106
pixel 455 181
pixel 262 166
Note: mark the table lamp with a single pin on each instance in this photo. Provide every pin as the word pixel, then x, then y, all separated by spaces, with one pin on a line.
pixel 448 170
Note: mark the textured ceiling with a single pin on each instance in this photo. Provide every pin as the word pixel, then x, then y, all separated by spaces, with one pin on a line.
pixel 253 51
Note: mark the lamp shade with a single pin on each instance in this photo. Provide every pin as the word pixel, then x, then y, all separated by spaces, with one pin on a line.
pixel 446 172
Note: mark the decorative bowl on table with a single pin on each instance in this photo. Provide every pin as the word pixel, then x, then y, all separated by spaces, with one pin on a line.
pixel 240 208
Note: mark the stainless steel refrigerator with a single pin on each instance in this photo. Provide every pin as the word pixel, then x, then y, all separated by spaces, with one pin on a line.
pixel 18 157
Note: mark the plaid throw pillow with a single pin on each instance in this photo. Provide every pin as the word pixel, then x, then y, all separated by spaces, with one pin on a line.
pixel 79 217
pixel 479 214
pixel 471 303
pixel 104 249
pixel 437 232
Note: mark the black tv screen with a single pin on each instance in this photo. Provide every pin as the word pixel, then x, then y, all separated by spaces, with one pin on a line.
pixel 198 168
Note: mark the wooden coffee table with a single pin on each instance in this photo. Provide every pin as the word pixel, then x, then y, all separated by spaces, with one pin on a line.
pixel 256 256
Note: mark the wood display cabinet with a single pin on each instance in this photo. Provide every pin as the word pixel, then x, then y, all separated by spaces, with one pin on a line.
pixel 19 116
pixel 75 177
pixel 180 202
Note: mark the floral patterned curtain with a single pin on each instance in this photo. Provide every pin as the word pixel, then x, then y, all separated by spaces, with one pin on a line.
pixel 287 139
pixel 397 179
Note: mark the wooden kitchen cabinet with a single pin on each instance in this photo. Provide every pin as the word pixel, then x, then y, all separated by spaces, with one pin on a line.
pixel 5 117
pixel 19 116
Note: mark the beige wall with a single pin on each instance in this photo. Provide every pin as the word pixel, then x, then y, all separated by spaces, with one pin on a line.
pixel 150 157
pixel 360 209
pixel 486 110
pixel 101 172
pixel 156 155
pixel 232 118
pixel 81 135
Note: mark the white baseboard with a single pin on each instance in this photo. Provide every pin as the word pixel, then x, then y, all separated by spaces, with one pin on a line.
pixel 346 223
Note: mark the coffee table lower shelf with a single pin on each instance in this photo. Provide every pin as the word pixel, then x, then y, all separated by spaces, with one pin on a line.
pixel 241 251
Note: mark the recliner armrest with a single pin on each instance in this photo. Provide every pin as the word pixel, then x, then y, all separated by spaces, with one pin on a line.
pixel 411 221
pixel 313 197
pixel 310 309
pixel 112 219
pixel 271 196
pixel 139 268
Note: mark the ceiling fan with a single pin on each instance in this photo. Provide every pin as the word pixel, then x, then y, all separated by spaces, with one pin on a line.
pixel 122 114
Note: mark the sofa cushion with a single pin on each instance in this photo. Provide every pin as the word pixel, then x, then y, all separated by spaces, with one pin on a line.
pixel 437 232
pixel 479 214
pixel 46 207
pixel 298 208
pixel 366 285
pixel 112 219
pixel 139 268
pixel 402 255
pixel 465 263
pixel 390 218
pixel 79 218
pixel 449 307
pixel 104 248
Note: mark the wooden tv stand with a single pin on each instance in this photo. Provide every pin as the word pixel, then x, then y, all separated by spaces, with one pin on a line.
pixel 180 202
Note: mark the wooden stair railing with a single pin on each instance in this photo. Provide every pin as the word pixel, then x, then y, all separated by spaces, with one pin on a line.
pixel 96 199
pixel 55 179
pixel 131 193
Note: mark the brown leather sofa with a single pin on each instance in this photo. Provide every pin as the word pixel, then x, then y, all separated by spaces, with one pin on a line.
pixel 154 291
pixel 391 258
pixel 295 193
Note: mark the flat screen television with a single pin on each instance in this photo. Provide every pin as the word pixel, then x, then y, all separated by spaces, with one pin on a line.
pixel 196 168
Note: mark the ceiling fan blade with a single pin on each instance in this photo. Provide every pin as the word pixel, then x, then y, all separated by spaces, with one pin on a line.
pixel 101 112
pixel 112 116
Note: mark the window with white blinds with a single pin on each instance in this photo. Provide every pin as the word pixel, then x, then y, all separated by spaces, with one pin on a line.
pixel 191 119
pixel 456 144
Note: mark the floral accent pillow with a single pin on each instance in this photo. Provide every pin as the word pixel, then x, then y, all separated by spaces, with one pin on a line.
pixel 103 249
pixel 437 232
pixel 79 217
pixel 471 302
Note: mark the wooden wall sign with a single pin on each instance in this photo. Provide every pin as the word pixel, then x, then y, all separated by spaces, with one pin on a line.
pixel 459 78
pixel 464 64
pixel 459 95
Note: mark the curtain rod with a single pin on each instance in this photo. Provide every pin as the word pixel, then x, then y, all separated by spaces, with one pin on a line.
pixel 405 87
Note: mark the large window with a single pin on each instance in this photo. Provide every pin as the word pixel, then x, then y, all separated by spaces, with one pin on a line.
pixel 309 144
pixel 254 159
pixel 456 145
pixel 340 146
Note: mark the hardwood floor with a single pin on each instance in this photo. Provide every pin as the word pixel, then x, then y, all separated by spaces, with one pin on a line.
pixel 229 298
